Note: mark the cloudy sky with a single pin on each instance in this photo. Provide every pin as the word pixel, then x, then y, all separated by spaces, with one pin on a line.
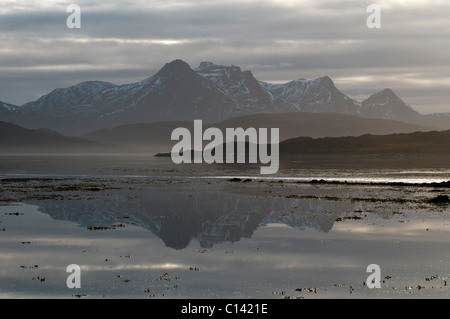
pixel 279 40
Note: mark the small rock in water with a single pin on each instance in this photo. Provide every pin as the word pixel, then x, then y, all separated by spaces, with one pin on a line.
pixel 440 199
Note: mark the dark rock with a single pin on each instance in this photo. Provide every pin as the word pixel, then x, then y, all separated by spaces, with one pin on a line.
pixel 440 199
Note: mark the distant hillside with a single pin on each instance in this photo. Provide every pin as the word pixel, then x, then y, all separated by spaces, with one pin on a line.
pixel 318 125
pixel 145 136
pixel 16 139
pixel 412 143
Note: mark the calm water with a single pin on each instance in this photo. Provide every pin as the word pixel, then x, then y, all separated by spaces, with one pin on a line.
pixel 146 166
pixel 156 230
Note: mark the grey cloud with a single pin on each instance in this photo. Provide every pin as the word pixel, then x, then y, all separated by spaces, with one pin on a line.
pixel 278 43
pixel 213 20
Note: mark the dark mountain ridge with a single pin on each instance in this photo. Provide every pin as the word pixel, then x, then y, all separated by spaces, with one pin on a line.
pixel 15 139
pixel 433 142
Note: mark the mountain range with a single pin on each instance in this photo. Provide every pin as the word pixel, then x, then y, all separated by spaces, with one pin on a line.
pixel 333 134
pixel 209 92
pixel 155 137
pixel 15 139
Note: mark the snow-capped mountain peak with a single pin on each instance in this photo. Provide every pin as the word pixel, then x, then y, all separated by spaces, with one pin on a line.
pixel 386 104
pixel 318 95
pixel 240 86
pixel 384 96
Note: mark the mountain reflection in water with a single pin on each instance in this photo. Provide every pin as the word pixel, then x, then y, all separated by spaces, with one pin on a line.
pixel 177 215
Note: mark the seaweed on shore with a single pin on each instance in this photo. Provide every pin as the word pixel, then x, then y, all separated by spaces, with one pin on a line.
pixel 341 219
pixel 331 182
pixel 91 228
pixel 440 199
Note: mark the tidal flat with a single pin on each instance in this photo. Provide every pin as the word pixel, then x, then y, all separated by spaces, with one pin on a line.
pixel 142 227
